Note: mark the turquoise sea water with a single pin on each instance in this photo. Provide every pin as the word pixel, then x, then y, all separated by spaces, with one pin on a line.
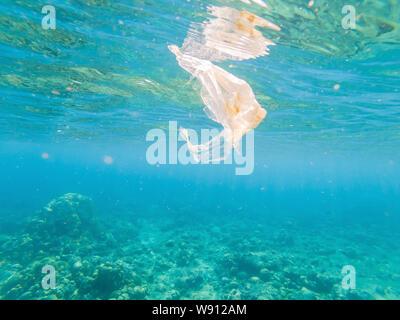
pixel 78 194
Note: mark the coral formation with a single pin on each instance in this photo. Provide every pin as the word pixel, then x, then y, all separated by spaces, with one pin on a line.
pixel 70 214
pixel 144 257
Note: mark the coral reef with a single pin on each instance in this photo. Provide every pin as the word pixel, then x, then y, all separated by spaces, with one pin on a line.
pixel 145 257
pixel 70 214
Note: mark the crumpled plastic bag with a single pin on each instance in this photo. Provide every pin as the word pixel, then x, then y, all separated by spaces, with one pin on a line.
pixel 229 101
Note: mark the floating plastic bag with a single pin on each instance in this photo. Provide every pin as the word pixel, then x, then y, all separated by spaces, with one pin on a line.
pixel 230 35
pixel 229 101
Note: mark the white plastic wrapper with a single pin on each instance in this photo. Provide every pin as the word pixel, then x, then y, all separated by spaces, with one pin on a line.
pixel 230 34
pixel 229 101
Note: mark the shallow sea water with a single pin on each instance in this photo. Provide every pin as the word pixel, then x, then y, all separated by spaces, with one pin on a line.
pixel 78 193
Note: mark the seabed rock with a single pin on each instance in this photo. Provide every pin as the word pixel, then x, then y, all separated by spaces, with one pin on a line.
pixel 70 214
pixel 107 278
pixel 64 226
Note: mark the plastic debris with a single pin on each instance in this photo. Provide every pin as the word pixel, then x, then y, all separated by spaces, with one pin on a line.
pixel 229 101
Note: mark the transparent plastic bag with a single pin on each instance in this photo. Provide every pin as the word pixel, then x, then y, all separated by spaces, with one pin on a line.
pixel 228 100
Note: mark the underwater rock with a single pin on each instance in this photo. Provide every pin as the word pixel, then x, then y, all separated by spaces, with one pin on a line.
pixel 307 294
pixel 77 265
pixel 71 207
pixel 243 265
pixel 107 278
pixel 170 243
pixel 64 226
pixel 70 214
pixel 321 283
pixel 234 294
pixel 248 264
pixel 189 282
pixel 358 295
pixel 265 274
pixel 173 295
pixel 296 279
pixel 284 238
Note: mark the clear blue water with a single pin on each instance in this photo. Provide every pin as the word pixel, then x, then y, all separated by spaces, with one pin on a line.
pixel 324 193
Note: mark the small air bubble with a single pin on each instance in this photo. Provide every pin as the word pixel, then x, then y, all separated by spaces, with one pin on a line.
pixel 108 160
